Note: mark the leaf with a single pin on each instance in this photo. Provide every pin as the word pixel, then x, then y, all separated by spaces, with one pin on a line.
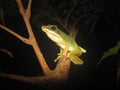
pixel 112 51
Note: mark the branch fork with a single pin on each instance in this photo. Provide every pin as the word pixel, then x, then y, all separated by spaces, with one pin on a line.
pixel 61 71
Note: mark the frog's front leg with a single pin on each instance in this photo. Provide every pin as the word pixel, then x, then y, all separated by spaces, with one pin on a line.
pixel 60 55
pixel 63 52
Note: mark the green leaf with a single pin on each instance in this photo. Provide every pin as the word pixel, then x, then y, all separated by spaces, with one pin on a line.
pixel 112 51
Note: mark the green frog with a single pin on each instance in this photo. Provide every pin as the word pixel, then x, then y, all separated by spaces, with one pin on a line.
pixel 68 46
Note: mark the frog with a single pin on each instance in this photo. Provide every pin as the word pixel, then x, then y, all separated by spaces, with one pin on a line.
pixel 69 48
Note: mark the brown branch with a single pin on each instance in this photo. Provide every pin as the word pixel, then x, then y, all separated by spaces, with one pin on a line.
pixel 28 11
pixel 21 8
pixel 62 68
pixel 34 43
pixel 23 13
pixel 27 79
pixel 31 41
pixel 60 73
pixel 25 40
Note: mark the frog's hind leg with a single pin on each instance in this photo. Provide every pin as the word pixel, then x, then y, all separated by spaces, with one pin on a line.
pixel 75 59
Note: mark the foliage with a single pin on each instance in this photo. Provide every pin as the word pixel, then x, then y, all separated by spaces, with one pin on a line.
pixel 112 51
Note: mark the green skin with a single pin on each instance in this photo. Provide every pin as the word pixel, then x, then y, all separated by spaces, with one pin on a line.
pixel 68 45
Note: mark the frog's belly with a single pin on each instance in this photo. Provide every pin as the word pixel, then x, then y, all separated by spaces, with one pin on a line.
pixel 64 46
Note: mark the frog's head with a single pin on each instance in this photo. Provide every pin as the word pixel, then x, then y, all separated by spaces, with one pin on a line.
pixel 52 32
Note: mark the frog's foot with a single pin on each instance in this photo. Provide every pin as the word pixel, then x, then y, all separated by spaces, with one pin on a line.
pixel 59 56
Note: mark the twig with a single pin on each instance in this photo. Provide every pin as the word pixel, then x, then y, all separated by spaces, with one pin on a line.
pixel 67 18
pixel 25 40
pixel 46 14
pixel 109 20
pixel 7 52
pixel 57 18
pixel 76 22
pixel 23 13
pixel 28 12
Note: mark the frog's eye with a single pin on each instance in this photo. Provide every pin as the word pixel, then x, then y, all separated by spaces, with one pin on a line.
pixel 53 27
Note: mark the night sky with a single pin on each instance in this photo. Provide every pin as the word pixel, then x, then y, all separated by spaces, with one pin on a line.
pixel 86 76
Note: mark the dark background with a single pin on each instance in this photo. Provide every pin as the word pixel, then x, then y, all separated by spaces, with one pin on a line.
pixel 87 76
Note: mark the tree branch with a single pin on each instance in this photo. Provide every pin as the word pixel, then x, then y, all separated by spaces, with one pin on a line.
pixel 32 38
pixel 23 13
pixel 28 11
pixel 60 73
pixel 27 79
pixel 25 40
